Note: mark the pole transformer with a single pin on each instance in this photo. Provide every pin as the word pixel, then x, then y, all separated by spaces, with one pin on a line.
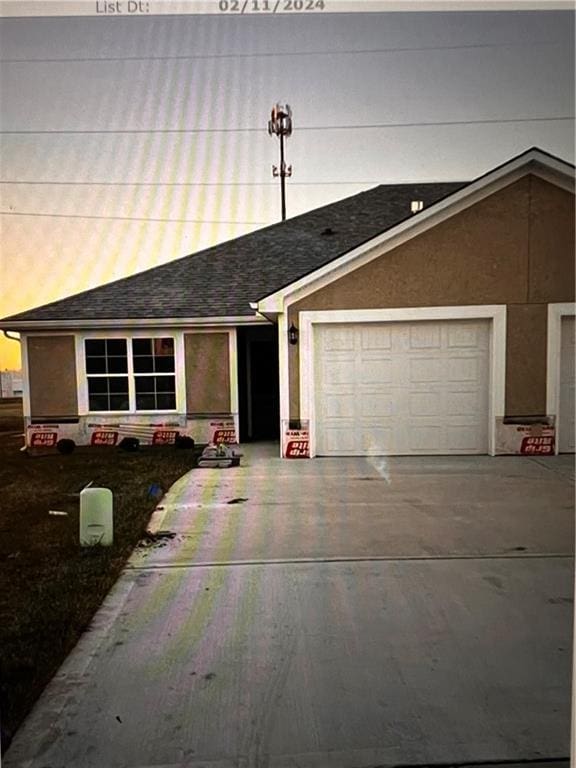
pixel 280 124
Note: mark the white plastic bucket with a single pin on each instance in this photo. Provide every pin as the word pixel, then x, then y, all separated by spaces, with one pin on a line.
pixel 96 519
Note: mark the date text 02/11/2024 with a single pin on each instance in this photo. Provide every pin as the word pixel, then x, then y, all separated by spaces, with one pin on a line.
pixel 270 6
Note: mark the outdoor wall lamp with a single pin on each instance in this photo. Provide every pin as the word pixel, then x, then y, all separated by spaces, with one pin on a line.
pixel 293 334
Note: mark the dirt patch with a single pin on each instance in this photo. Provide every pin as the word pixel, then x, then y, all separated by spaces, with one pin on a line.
pixel 158 539
pixel 50 587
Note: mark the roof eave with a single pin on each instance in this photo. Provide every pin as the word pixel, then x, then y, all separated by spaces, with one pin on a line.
pixel 129 323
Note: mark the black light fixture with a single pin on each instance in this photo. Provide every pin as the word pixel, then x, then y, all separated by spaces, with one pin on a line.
pixel 293 334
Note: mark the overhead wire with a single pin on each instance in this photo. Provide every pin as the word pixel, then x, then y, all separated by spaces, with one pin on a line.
pixel 127 218
pixel 372 126
pixel 45 182
pixel 368 126
pixel 277 54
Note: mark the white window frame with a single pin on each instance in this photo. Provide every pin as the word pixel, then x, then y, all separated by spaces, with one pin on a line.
pixel 82 383
pixel 553 350
pixel 107 376
pixel 497 354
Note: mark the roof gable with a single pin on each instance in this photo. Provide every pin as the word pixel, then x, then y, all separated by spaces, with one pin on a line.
pixel 533 161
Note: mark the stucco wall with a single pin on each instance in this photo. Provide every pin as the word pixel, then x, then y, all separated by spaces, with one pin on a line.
pixel 52 376
pixel 551 275
pixel 207 373
pixel 526 359
pixel 515 247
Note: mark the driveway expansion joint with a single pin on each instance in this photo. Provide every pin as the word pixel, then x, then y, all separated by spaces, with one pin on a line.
pixel 330 560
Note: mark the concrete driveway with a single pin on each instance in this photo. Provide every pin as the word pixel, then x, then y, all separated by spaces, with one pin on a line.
pixel 335 612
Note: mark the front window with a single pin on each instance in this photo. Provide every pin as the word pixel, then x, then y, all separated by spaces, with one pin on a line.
pixel 131 374
pixel 156 390
pixel 107 366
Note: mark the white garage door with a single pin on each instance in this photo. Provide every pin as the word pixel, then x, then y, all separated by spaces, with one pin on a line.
pixel 402 388
pixel 566 439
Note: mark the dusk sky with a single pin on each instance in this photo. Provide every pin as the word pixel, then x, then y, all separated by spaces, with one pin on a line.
pixel 72 89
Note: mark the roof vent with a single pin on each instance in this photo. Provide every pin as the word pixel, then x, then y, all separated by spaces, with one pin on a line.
pixel 416 205
pixel 328 231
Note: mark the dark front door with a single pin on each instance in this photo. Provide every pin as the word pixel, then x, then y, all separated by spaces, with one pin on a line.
pixel 258 383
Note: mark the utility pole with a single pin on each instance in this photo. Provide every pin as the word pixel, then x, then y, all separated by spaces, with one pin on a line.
pixel 280 123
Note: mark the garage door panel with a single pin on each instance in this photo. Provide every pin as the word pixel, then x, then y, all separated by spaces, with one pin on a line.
pixel 425 369
pixel 441 438
pixel 341 440
pixel 466 403
pixel 376 440
pixel 462 369
pixel 340 372
pixel 339 407
pixel 466 438
pixel 370 338
pixel 378 371
pixel 341 339
pixel 426 404
pixel 423 438
pixel 402 388
pixel 466 337
pixel 374 405
pixel 425 336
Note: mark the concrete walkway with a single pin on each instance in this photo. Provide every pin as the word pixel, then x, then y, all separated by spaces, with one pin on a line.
pixel 330 613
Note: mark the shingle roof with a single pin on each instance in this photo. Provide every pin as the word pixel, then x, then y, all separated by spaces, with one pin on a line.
pixel 222 281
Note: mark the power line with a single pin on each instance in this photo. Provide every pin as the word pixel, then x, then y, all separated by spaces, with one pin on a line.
pixel 491 121
pixel 277 54
pixel 126 218
pixel 180 183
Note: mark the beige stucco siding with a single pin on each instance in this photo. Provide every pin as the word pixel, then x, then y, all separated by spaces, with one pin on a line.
pixel 52 376
pixel 207 362
pixel 515 247
pixel 551 244
pixel 478 256
pixel 526 359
